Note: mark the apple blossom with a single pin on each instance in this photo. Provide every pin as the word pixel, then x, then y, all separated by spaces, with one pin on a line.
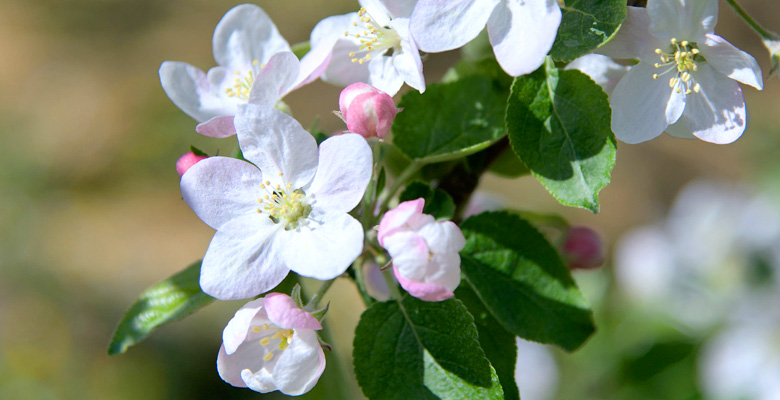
pixel 695 80
pixel 367 110
pixel 290 214
pixel 245 41
pixel 372 46
pixel 186 161
pixel 520 31
pixel 271 344
pixel 424 251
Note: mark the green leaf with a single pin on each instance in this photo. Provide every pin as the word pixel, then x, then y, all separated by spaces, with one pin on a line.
pixel 498 343
pixel 523 282
pixel 586 25
pixel 437 202
pixel 451 120
pixel 415 349
pixel 509 165
pixel 167 301
pixel 559 126
pixel 198 152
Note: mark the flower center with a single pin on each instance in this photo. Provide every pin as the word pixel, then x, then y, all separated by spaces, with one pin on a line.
pixel 273 338
pixel 375 40
pixel 284 205
pixel 242 84
pixel 682 59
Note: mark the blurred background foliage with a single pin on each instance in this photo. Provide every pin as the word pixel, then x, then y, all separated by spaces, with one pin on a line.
pixel 91 214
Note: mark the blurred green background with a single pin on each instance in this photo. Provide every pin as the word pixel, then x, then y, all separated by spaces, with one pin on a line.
pixel 91 214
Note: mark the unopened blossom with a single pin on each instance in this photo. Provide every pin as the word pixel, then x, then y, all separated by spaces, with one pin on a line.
pixel 244 42
pixel 582 248
pixel 286 211
pixel 424 251
pixel 521 32
pixel 271 344
pixel 372 46
pixel 367 110
pixel 186 161
pixel 686 72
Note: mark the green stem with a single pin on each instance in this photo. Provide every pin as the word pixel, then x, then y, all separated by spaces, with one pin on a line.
pixel 315 299
pixel 763 32
pixel 399 182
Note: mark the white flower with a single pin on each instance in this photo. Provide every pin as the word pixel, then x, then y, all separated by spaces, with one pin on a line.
pixel 244 42
pixel 424 251
pixel 271 344
pixel 372 46
pixel 602 69
pixel 520 31
pixel 685 72
pixel 290 214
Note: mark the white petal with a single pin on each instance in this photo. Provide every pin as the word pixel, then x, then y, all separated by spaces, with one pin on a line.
pixel 217 127
pixel 633 39
pixel 326 247
pixel 315 62
pixel 219 189
pixel 438 25
pixel 443 237
pixel 682 19
pixel 522 32
pixel 399 8
pixel 238 327
pixel 242 260
pixel 410 254
pixel 383 75
pixel 342 71
pixel 275 79
pixel 190 89
pixel 717 113
pixel 376 11
pixel 246 34
pixel 277 144
pixel 300 365
pixel 329 29
pixel 642 107
pixel 731 61
pixel 444 269
pixel 344 170
pixel 680 130
pixel 602 69
pixel 407 62
pixel 229 367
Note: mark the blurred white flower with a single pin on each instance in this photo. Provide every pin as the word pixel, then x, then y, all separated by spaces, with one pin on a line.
pixel 536 372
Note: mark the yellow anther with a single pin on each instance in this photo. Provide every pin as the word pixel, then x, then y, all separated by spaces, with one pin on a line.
pixel 255 62
pixel 351 53
pixel 655 76
pixel 360 61
pixel 684 43
pixel 696 88
pixel 674 41
pixel 268 356
pixel 658 51
pixel 265 341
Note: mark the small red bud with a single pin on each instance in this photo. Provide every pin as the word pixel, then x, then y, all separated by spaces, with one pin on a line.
pixel 582 248
pixel 186 161
pixel 367 110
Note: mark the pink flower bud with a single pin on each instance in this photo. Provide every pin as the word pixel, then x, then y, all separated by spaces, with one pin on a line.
pixel 367 110
pixel 582 248
pixel 186 161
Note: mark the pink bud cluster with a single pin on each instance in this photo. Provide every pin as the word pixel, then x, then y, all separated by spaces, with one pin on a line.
pixel 367 110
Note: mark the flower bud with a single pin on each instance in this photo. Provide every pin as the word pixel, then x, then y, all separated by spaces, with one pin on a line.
pixel 367 110
pixel 186 161
pixel 582 248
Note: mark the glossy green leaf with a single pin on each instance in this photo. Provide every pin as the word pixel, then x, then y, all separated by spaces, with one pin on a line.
pixel 437 202
pixel 586 25
pixel 415 349
pixel 167 301
pixel 559 126
pixel 522 281
pixel 451 120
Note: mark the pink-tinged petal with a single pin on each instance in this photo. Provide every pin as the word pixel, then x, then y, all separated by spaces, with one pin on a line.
pixel 217 127
pixel 243 259
pixel 441 25
pixel 371 114
pixel 275 79
pixel 375 282
pixel 246 34
pixel 237 328
pixel 602 69
pixel 186 161
pixel 350 92
pixel 717 113
pixel 731 61
pixel 424 291
pixel 277 144
pixel 522 32
pixel 682 19
pixel 191 90
pixel 325 248
pixel 284 313
pixel 299 366
pixel 315 62
pixel 219 189
pixel 345 168
pixel 407 62
pixel 633 39
pixel 642 107
pixel 410 254
pixel 398 216
pixel 443 237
